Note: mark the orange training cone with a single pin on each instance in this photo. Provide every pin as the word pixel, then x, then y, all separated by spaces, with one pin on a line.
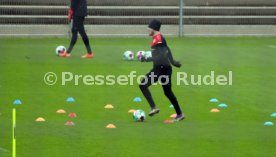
pixel 40 119
pixel 61 111
pixel 168 121
pixel 131 111
pixel 108 106
pixel 110 126
pixel 173 116
pixel 215 110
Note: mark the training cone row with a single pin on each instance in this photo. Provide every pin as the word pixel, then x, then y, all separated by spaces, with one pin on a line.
pixel 221 105
pixel 269 123
pixel 59 111
pixel 70 115
pixel 168 121
pixel 109 126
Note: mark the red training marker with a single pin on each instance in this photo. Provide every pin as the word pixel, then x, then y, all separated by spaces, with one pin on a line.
pixel 168 121
pixel 72 115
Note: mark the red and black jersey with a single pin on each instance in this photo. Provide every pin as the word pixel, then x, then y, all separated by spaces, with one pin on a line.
pixel 158 40
pixel 160 52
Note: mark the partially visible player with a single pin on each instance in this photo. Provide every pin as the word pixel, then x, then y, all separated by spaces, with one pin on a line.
pixel 162 60
pixel 78 12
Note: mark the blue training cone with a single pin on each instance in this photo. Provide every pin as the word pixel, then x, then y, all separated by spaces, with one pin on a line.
pixel 17 102
pixel 137 99
pixel 214 100
pixel 171 106
pixel 268 123
pixel 70 99
pixel 222 105
pixel 273 115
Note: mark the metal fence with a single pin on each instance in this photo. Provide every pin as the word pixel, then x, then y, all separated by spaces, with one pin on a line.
pixel 130 17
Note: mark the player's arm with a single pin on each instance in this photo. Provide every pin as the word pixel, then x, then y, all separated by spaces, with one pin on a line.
pixel 148 59
pixel 73 6
pixel 173 62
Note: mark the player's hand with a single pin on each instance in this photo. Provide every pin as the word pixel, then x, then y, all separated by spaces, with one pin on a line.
pixel 70 14
pixel 143 59
pixel 177 64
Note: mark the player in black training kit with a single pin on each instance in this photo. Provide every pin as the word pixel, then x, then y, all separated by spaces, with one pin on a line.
pixel 162 59
pixel 77 12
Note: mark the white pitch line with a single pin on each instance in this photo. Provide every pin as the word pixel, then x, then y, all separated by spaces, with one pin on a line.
pixel 272 46
pixel 3 150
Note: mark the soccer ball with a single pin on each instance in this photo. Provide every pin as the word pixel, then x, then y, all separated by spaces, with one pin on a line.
pixel 128 55
pixel 139 115
pixel 60 49
pixel 140 55
pixel 148 54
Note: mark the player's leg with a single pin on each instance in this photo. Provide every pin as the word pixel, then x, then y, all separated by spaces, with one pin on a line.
pixel 74 34
pixel 85 38
pixel 167 88
pixel 144 86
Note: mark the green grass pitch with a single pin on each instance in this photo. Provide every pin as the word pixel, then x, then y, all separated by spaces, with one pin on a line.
pixel 237 131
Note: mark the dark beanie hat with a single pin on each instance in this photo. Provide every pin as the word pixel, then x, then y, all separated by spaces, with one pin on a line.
pixel 155 25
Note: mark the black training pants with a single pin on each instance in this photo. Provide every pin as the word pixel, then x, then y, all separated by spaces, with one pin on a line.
pixel 163 74
pixel 78 27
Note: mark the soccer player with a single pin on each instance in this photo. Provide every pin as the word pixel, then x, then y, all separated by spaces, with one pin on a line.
pixel 162 60
pixel 77 12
